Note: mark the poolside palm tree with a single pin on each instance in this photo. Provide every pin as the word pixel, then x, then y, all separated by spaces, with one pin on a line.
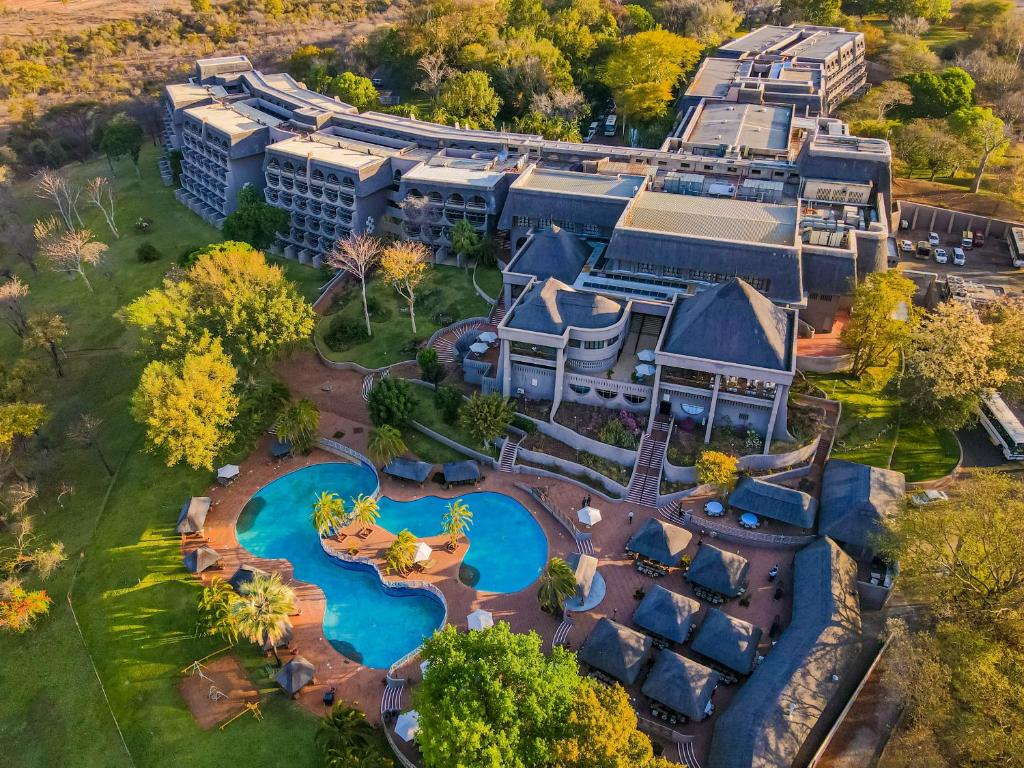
pixel 557 584
pixel 297 424
pixel 385 444
pixel 216 612
pixel 456 522
pixel 328 513
pixel 365 511
pixel 399 556
pixel 344 736
pixel 262 610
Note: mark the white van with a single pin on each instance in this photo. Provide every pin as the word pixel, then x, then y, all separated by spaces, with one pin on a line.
pixel 609 125
pixel 959 257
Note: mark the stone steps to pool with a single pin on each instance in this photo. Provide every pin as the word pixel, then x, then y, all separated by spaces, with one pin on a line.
pixel 509 450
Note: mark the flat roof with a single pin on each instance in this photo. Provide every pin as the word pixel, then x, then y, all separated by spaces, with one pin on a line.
pixel 576 183
pixel 821 45
pixel 472 173
pixel 186 93
pixel 762 126
pixel 233 118
pixel 713 218
pixel 761 39
pixel 332 150
pixel 714 78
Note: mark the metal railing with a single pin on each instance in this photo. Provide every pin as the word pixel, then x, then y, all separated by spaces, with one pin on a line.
pixel 741 534
pixel 562 518
pixel 340 449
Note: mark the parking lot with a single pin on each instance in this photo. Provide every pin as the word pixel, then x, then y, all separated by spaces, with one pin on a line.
pixel 989 265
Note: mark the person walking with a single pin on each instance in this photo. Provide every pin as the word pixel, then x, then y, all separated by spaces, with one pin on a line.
pixel 630 517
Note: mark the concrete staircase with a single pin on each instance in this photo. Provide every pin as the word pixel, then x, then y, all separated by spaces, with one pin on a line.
pixel 498 310
pixel 445 344
pixel 645 484
pixel 509 450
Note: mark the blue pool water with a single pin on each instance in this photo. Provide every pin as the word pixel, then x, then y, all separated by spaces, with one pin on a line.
pixel 363 620
pixel 507 547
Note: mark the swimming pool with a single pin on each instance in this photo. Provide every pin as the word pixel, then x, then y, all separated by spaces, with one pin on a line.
pixel 364 620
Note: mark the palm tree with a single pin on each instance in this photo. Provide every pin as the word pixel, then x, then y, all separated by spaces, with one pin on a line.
pixel 344 736
pixel 557 584
pixel 297 424
pixel 399 557
pixel 365 511
pixel 262 610
pixel 386 443
pixel 216 610
pixel 328 513
pixel 456 522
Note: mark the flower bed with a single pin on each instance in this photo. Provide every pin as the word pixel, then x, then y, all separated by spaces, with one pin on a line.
pixel 619 428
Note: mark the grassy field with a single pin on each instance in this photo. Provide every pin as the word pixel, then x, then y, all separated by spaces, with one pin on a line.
pixel 489 280
pixel 938 37
pixel 871 432
pixel 428 415
pixel 448 289
pixel 134 600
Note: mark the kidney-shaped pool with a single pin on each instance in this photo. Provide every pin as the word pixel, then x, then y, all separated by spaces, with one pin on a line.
pixel 363 620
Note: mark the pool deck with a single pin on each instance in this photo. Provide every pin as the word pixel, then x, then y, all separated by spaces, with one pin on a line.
pixel 342 409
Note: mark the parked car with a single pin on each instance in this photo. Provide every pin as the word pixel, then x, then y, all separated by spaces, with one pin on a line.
pixel 377 82
pixel 933 238
pixel 967 240
pixel 979 239
pixel 959 257
pixel 921 498
pixel 592 131
pixel 906 246
pixel 923 250
pixel 940 256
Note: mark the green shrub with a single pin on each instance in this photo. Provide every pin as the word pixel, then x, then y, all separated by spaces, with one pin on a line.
pixel 147 252
pixel 412 346
pixel 448 401
pixel 344 331
pixel 529 426
pixel 256 410
pixel 615 433
pixel 430 366
pixel 391 402
pixel 379 311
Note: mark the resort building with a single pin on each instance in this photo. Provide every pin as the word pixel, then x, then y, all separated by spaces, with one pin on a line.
pixel 813 69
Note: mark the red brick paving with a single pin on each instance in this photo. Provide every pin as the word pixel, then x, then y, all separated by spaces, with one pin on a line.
pixel 342 409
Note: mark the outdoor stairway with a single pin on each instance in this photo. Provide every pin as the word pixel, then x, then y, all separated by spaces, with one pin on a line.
pixel 686 754
pixel 645 484
pixel 562 633
pixel 369 381
pixel 498 310
pixel 392 698
pixel 584 544
pixel 445 344
pixel 509 449
pixel 673 513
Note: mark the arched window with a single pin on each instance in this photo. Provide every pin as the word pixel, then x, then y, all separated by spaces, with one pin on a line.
pixel 579 389
pixel 635 399
pixel 606 394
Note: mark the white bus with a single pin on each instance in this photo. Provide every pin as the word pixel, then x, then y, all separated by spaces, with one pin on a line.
pixel 609 125
pixel 1003 427
pixel 1015 239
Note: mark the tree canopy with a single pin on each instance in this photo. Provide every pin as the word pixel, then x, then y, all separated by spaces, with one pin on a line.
pixel 645 68
pixel 354 89
pixel 881 319
pixel 254 221
pixel 941 94
pixel 468 99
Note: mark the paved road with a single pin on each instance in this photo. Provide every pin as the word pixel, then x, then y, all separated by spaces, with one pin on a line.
pixel 978 449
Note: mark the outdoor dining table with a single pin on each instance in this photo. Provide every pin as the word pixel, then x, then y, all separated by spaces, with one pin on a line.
pixel 748 520
pixel 714 509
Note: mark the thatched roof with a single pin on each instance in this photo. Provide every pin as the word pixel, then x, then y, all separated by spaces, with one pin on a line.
pixel 585 567
pixel 461 471
pixel 193 513
pixel 659 541
pixel 786 505
pixel 730 641
pixel 198 560
pixel 295 675
pixel 681 684
pixel 718 570
pixel 616 650
pixel 666 613
pixel 408 469
pixel 244 575
pixel 856 500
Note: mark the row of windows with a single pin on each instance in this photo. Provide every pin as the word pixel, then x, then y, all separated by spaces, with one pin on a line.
pixel 608 394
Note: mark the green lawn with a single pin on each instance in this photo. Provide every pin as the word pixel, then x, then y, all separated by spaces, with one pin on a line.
pixel 428 449
pixel 868 430
pixel 445 289
pixel 938 37
pixel 428 415
pixel 134 600
pixel 489 280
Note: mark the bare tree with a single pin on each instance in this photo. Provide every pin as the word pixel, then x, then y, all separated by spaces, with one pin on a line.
pixel 100 192
pixel 357 255
pixel 68 251
pixel 435 71
pixel 85 432
pixel 51 185
pixel 909 25
pixel 569 104
pixel 18 496
pixel 11 295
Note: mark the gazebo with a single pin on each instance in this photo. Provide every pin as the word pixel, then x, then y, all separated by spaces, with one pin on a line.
pixel 193 513
pixel 198 560
pixel 590 586
pixel 659 541
pixel 666 614
pixel 682 685
pixel 461 473
pixel 227 474
pixel 730 641
pixel 616 650
pixel 408 469
pixel 244 575
pixel 719 571
pixel 295 675
pixel 283 642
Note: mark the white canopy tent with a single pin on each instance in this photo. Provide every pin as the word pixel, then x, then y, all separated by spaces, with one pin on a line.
pixel 480 619
pixel 589 515
pixel 488 337
pixel 227 473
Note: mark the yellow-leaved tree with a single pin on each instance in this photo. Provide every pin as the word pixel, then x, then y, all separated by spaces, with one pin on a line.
pixel 404 265
pixel 187 405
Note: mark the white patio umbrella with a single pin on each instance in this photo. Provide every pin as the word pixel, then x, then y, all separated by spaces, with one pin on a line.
pixel 424 666
pixel 589 515
pixel 228 472
pixel 487 337
pixel 423 552
pixel 645 355
pixel 478 348
pixel 645 370
pixel 480 619
pixel 407 725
